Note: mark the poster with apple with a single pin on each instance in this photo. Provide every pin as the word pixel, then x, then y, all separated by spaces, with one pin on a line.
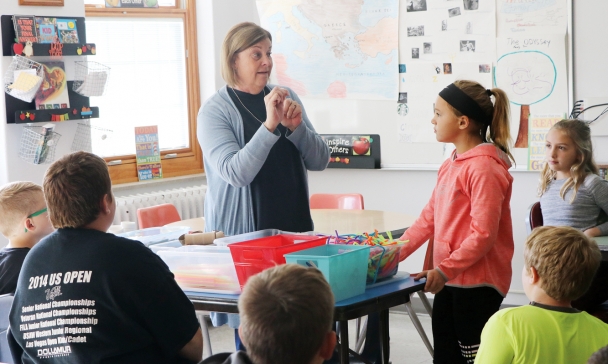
pixel 353 150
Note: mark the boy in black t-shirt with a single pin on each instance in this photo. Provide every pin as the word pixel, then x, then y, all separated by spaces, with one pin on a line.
pixel 24 221
pixel 86 296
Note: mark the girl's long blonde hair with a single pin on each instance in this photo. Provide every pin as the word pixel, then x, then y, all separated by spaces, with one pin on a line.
pixel 580 134
pixel 498 132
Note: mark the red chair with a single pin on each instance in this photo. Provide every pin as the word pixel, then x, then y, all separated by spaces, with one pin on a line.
pixel 158 215
pixel 534 218
pixel 342 201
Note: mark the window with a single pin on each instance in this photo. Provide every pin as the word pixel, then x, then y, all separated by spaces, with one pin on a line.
pixel 153 81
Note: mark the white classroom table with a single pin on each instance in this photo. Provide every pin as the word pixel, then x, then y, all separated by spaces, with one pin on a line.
pixel 195 224
pixel 328 221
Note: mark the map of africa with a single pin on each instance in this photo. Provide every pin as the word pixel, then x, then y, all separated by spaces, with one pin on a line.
pixel 334 49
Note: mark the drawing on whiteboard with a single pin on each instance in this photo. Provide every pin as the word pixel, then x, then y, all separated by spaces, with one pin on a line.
pixel 428 47
pixel 527 77
pixel 415 53
pixel 444 25
pixel 525 81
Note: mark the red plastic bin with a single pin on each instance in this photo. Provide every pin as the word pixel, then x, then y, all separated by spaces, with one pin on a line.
pixel 253 256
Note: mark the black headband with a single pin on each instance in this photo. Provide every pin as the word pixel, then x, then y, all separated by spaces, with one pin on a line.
pixel 465 104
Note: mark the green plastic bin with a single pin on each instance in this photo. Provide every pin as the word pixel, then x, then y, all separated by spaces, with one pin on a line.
pixel 344 266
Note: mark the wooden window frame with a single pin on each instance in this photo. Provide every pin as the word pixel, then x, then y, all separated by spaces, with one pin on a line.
pixel 188 160
pixel 41 2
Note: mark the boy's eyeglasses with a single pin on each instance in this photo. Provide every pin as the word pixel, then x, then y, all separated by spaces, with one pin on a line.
pixel 39 212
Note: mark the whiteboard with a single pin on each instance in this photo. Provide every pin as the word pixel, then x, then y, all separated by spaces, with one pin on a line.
pixel 345 116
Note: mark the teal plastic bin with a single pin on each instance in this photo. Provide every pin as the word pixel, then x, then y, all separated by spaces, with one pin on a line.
pixel 344 266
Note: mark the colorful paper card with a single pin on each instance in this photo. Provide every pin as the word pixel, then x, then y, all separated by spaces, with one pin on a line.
pixel 25 28
pixel 53 92
pixel 46 29
pixel 539 126
pixel 147 153
pixel 67 31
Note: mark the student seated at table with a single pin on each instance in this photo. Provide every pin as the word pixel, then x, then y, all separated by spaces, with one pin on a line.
pixel 86 296
pixel 286 317
pixel 559 264
pixel 24 222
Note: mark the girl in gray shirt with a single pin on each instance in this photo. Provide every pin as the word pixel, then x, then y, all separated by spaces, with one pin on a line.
pixel 572 194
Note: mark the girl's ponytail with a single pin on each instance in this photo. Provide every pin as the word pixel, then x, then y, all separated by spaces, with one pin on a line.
pixel 500 129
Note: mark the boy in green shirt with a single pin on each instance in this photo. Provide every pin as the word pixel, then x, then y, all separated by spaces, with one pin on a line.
pixel 559 264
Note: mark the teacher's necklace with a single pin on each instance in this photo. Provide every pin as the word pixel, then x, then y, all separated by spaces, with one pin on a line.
pixel 238 98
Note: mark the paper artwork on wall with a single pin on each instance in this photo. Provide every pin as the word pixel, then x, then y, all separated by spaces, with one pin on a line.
pixel 422 82
pixel 447 31
pixel 531 17
pixel 533 73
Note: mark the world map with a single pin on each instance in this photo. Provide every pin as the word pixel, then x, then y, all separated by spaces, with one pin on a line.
pixel 334 49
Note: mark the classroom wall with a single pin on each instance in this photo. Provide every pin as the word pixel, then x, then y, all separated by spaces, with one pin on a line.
pixel 404 191
pixel 11 167
pixel 590 57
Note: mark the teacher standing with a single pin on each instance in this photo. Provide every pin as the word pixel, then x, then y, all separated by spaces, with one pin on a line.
pixel 257 145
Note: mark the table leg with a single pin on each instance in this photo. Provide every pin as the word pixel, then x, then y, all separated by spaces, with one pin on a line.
pixel 384 336
pixel 344 342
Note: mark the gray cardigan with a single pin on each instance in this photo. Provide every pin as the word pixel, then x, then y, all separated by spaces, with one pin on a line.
pixel 582 214
pixel 231 165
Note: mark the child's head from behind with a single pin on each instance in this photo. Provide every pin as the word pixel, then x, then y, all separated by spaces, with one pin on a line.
pixel 469 108
pixel 286 316
pixel 565 260
pixel 599 357
pixel 23 211
pixel 76 187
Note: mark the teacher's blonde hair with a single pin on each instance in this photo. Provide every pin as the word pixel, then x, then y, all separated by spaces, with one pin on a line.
pixel 239 38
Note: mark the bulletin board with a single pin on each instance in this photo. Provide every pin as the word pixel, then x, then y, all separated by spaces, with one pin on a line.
pixel 525 48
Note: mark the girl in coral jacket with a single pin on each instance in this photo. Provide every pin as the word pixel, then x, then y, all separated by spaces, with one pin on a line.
pixel 469 218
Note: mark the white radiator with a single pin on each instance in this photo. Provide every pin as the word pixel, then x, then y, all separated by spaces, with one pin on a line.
pixel 188 201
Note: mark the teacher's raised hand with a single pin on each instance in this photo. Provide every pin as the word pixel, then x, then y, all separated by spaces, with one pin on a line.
pixel 292 114
pixel 275 104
